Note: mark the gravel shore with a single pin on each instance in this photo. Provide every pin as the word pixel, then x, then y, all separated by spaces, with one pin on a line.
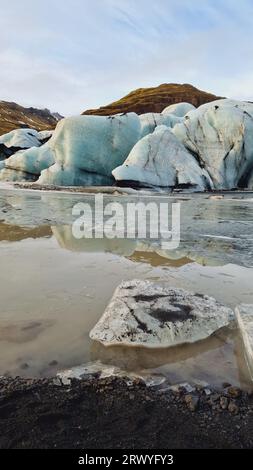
pixel 112 413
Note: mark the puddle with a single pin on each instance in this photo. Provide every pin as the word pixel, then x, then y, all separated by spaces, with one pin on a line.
pixel 54 288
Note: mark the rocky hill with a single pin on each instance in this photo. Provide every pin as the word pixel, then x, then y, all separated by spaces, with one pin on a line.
pixel 13 116
pixel 155 99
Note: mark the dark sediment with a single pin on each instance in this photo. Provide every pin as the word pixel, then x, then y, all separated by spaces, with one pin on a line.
pixel 109 413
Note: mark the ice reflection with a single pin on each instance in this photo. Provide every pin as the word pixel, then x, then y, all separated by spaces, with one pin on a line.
pixel 54 288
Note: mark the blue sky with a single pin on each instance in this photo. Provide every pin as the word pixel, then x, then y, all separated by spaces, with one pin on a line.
pixel 70 55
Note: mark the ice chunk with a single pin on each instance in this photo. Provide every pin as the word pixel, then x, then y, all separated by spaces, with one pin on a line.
pixel 43 136
pixel 88 148
pixel 33 160
pixel 220 135
pixel 71 176
pixel 160 159
pixel 21 138
pixel 179 109
pixel 143 313
pixel 7 174
pixel 150 121
pixel 244 316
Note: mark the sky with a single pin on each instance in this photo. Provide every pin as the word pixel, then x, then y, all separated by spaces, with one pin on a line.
pixel 71 55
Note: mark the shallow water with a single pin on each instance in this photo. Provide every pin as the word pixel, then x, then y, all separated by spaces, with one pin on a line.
pixel 54 288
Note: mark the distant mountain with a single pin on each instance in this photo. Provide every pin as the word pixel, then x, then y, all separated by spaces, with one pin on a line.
pixel 155 99
pixel 13 116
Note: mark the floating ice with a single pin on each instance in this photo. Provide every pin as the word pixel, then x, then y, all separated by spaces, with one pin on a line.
pixel 143 313
pixel 244 316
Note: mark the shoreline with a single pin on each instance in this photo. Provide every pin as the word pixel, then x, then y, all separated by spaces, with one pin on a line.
pixel 109 413
pixel 121 190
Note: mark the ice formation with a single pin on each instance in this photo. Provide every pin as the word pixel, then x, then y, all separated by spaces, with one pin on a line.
pixel 220 136
pixel 88 148
pixel 21 139
pixel 159 159
pixel 182 147
pixel 179 109
pixel 144 313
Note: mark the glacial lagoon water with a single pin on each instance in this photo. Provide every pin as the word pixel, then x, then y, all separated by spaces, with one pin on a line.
pixel 54 288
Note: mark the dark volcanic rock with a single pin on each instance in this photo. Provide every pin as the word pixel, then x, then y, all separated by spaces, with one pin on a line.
pixel 6 152
pixel 107 413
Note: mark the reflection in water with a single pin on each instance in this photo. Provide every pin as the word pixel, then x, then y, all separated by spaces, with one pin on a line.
pixel 53 289
pixel 154 259
pixel 144 251
pixel 148 251
pixel 213 232
pixel 130 357
pixel 66 240
pixel 14 233
pixel 212 360
pixel 206 250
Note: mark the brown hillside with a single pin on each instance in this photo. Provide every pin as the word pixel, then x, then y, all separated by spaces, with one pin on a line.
pixel 155 99
pixel 13 116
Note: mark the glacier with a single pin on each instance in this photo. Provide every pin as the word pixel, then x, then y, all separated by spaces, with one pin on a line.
pixel 210 147
pixel 159 159
pixel 220 136
pixel 87 148
pixel 150 121
pixel 21 138
pixel 31 161
pixel 21 156
pixel 178 109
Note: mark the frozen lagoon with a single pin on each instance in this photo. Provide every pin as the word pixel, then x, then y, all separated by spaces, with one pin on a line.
pixel 54 288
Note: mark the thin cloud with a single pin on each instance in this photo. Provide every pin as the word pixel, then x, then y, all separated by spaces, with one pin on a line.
pixel 79 54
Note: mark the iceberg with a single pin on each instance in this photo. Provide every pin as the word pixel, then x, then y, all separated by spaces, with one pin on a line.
pixel 7 174
pixel 21 139
pixel 210 147
pixel 20 154
pixel 70 175
pixel 244 317
pixel 220 136
pixel 32 161
pixel 88 148
pixel 44 136
pixel 144 313
pixel 150 121
pixel 179 109
pixel 159 159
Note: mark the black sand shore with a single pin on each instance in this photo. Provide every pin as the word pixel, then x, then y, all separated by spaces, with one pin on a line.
pixel 109 413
